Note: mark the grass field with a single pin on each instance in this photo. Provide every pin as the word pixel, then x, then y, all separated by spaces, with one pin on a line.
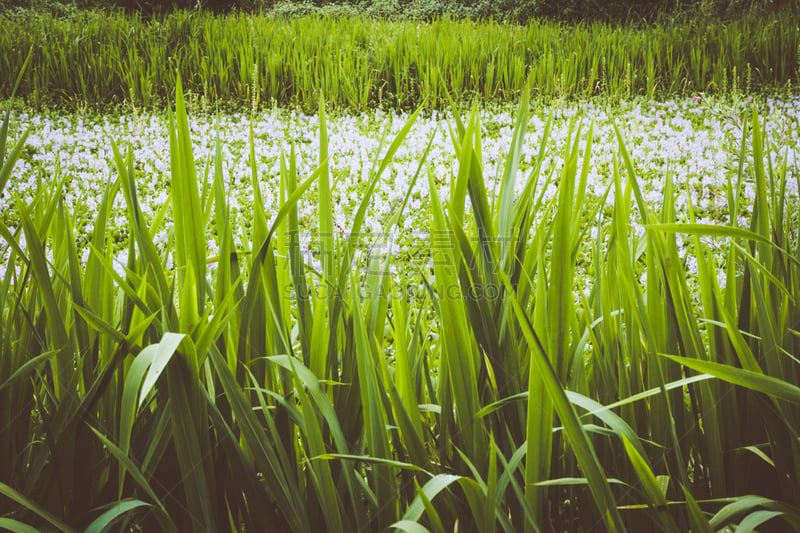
pixel 565 314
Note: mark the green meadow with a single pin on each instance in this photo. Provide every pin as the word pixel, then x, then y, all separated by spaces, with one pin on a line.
pixel 351 274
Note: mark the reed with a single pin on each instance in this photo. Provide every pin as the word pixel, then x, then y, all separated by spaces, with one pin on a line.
pixel 108 59
pixel 262 394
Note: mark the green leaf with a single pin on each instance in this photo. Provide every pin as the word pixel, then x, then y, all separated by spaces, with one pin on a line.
pixel 697 519
pixel 383 476
pixel 775 387
pixel 11 160
pixel 755 519
pixel 260 446
pixel 190 245
pixel 709 230
pixel 574 481
pixel 12 494
pixel 650 485
pixel 159 355
pixel 131 467
pixel 29 365
pixel 505 226
pixel 16 526
pixel 576 436
pixel 409 527
pixel 433 487
pixel 56 324
pixel 116 511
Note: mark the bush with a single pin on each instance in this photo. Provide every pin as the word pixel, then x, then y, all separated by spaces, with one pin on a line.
pixel 379 9
pixel 515 11
pixel 628 10
pixel 293 9
pixel 58 9
pixel 431 9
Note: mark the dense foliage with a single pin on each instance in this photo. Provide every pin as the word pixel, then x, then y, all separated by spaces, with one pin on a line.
pixel 99 59
pixel 245 389
pixel 587 340
pixel 519 11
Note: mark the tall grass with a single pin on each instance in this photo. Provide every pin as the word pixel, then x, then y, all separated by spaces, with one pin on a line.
pixel 260 395
pixel 96 59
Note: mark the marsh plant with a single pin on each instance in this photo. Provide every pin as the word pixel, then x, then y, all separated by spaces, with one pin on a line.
pixel 103 59
pixel 233 385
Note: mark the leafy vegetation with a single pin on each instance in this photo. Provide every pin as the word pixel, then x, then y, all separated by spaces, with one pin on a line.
pixel 559 325
pixel 97 59
pixel 246 390
pixel 518 11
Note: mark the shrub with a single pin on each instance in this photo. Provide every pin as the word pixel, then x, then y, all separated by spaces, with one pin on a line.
pixel 293 9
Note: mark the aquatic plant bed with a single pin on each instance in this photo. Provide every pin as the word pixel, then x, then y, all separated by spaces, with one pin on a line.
pixel 206 322
pixel 695 140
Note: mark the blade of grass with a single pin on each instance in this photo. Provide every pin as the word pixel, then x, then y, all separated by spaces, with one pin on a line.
pixel 756 381
pixel 577 438
pixel 116 511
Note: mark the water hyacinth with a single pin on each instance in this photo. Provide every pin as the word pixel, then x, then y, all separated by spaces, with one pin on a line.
pixel 570 358
pixel 695 141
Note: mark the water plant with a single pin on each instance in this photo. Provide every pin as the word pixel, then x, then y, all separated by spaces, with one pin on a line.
pixel 247 389
pixel 107 59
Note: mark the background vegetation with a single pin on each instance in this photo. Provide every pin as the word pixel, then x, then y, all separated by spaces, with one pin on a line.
pixel 100 58
pixel 519 11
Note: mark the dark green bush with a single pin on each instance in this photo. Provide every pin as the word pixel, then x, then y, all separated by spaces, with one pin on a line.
pixel 631 10
pixel 293 9
pixel 517 11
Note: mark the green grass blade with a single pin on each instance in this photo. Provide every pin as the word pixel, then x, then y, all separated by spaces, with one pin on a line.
pixel 374 419
pixel 755 519
pixel 324 408
pixel 327 248
pixel 63 362
pixel 161 356
pixel 459 364
pixel 321 476
pixel 284 490
pixel 505 224
pixel 134 471
pixel 749 505
pixel 616 423
pixel 253 283
pixel 650 485
pixel 355 233
pixel 16 526
pixel 23 370
pixel 434 486
pixel 116 511
pixel 697 518
pixel 305 325
pixel 710 230
pixel 577 438
pixel 410 527
pixel 190 245
pixel 756 381
pixel 188 422
pixel 15 496
pixel 9 162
